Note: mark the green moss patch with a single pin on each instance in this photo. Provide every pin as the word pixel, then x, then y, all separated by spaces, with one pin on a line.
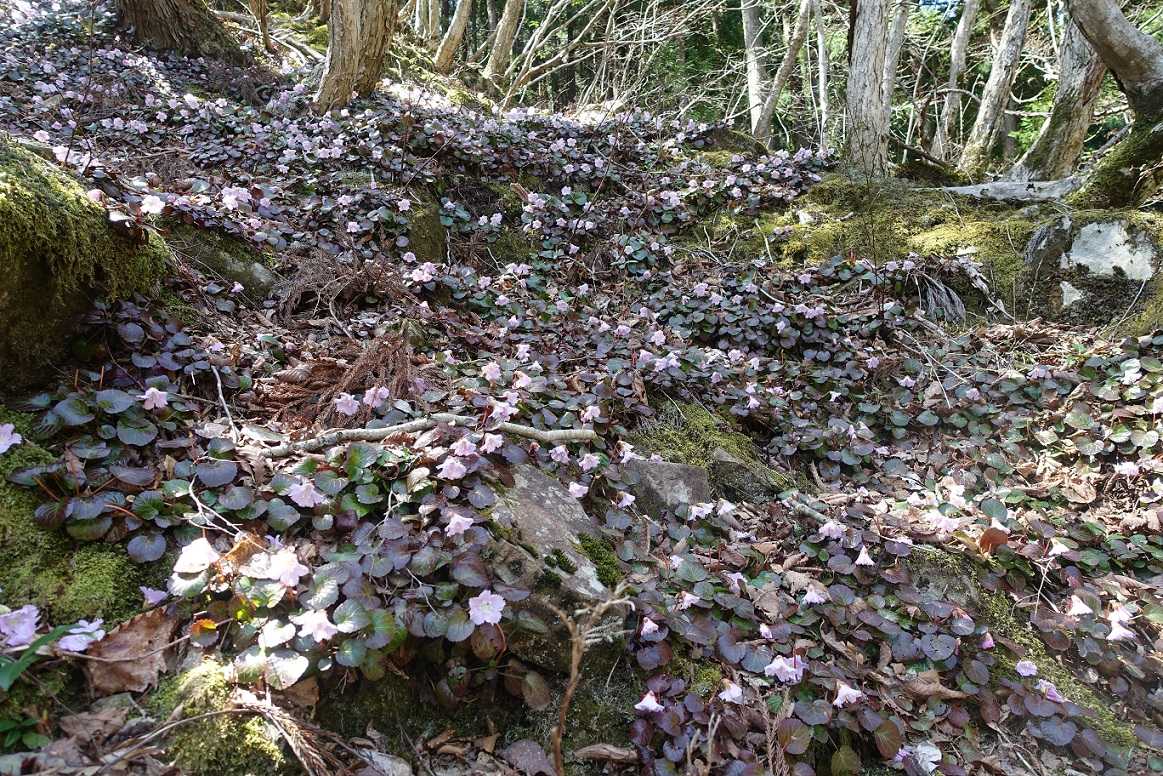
pixel 69 581
pixel 56 247
pixel 234 744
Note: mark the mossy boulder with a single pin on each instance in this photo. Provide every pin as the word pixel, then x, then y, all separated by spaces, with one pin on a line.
pixel 226 744
pixel 222 256
pixel 427 237
pixel 68 580
pixel 57 249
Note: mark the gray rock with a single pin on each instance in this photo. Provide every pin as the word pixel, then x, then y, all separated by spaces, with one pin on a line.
pixel 738 480
pixel 539 550
pixel 664 486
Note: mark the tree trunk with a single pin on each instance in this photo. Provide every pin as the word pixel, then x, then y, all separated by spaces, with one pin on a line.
pixel 434 9
pixel 1059 143
pixel 261 13
pixel 822 75
pixel 451 41
pixel 867 133
pixel 996 95
pixel 756 67
pixel 502 52
pixel 1130 171
pixel 360 31
pixel 892 56
pixel 948 122
pixel 185 26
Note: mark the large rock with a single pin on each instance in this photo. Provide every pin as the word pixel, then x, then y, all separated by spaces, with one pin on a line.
pixel 738 479
pixel 1092 271
pixel 542 529
pixel 664 487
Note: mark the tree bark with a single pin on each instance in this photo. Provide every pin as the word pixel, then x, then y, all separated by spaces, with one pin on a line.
pixel 867 132
pixel 502 52
pixel 948 121
pixel 892 56
pixel 822 75
pixel 451 41
pixel 1130 171
pixel 762 98
pixel 996 95
pixel 434 9
pixel 360 31
pixel 1059 143
pixel 186 26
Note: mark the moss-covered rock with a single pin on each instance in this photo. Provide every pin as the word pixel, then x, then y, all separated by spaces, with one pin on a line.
pixel 427 237
pixel 234 744
pixel 222 256
pixel 56 249
pixel 692 435
pixel 69 581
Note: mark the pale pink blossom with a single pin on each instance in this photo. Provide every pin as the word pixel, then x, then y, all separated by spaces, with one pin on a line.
pixel 814 596
pixel 314 624
pixel 451 468
pixel 458 524
pixel 789 670
pixel 1119 632
pixel 1078 608
pixel 286 568
pixel 8 437
pixel 376 396
pixel 577 490
pixel 152 596
pixel 846 695
pixel 305 494
pixel 18 627
pixel 196 557
pixel 649 704
pixel 649 627
pixel 1026 668
pixel 464 447
pixel 346 404
pixel 732 694
pixel 588 462
pixel 491 371
pixel 521 380
pixel 153 399
pixel 987 641
pixel 591 413
pixel 152 204
pixel 491 443
pixel 1050 691
pixel 864 559
pixel 485 608
pixel 625 500
pixel 832 530
pixel 686 600
pixel 81 635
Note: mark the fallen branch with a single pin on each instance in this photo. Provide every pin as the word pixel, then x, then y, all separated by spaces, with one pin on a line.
pixel 343 436
pixel 1017 191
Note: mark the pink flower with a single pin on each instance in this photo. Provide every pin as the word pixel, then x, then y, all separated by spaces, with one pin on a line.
pixel 492 443
pixel 492 371
pixel 153 399
pixel 346 404
pixel 521 380
pixel 577 490
pixel 732 694
pixel 81 635
pixel 464 447
pixel 8 437
pixel 734 581
pixel 649 627
pixel 814 596
pixel 404 205
pixel 1120 614
pixel 452 468
pixel 305 494
pixel 1119 632
pixel 589 461
pixel 591 413
pixel 458 524
pixel 832 530
pixel 151 596
pixel 649 704
pixel 196 557
pixel 987 641
pixel 18 627
pixel 485 608
pixel 1026 668
pixel 686 600
pixel 314 624
pixel 1078 608
pixel 560 454
pixel 1050 691
pixel 789 670
pixel 846 695
pixel 376 396
pixel 766 632
pixel 864 559
pixel 286 568
pixel 152 205
pixel 625 500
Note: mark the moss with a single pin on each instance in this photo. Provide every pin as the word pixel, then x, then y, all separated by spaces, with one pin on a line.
pixel 703 678
pixel 427 237
pixel 222 256
pixel 232 744
pixel 604 560
pixel 56 245
pixel 557 559
pixel 1118 180
pixel 690 434
pixel 69 581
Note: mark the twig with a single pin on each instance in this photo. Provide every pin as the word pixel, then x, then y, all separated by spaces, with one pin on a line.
pixel 342 436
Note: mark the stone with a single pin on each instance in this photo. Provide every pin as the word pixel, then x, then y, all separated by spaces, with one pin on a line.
pixel 738 480
pixel 1104 246
pixel 664 487
pixel 539 549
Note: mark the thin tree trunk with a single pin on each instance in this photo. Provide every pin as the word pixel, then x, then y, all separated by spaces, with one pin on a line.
pixel 756 66
pixel 261 12
pixel 186 26
pixel 1059 143
pixel 502 52
pixel 1130 171
pixel 892 56
pixel 867 133
pixel 822 77
pixel 434 9
pixel 451 41
pixel 360 31
pixel 996 95
pixel 949 119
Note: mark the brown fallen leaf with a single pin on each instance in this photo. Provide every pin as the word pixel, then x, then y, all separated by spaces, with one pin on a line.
pixel 607 753
pixel 928 685
pixel 991 538
pixel 93 726
pixel 130 658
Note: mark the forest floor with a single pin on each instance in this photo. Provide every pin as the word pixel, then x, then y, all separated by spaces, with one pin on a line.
pixel 943 553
